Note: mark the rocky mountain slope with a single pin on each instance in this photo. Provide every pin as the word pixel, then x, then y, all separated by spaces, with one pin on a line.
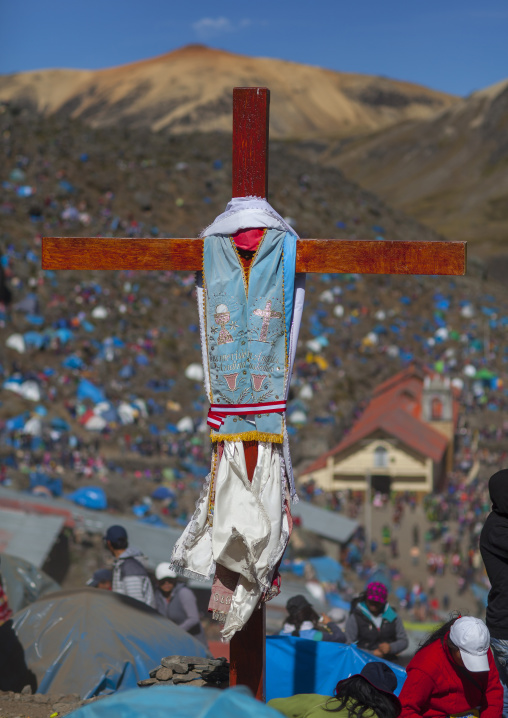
pixel 449 171
pixel 190 90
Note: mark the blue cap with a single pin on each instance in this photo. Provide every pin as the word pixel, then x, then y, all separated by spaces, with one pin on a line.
pixel 115 533
pixel 101 575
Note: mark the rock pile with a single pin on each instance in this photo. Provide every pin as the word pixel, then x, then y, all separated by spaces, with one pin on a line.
pixel 191 671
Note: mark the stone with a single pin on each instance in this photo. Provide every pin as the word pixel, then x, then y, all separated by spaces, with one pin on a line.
pixel 186 677
pixel 196 682
pixel 164 674
pixel 41 698
pixel 147 682
pixel 27 690
pixel 175 665
pixel 154 671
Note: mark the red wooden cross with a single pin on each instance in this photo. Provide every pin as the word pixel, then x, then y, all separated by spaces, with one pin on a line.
pixel 250 178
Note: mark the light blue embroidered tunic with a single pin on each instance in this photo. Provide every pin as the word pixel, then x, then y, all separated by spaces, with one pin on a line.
pixel 247 325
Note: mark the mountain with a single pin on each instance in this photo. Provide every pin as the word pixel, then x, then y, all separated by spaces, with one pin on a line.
pixel 449 171
pixel 190 90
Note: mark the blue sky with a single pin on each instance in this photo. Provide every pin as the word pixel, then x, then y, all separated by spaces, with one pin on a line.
pixel 457 46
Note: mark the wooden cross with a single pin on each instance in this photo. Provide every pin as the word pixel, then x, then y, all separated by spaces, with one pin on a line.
pixel 250 178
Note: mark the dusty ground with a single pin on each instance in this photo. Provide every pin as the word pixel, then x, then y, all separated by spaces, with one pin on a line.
pixel 19 705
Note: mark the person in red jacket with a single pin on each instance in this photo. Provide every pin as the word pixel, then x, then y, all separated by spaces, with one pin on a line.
pixel 453 674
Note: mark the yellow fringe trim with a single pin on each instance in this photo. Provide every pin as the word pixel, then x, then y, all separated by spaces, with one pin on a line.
pixel 248 436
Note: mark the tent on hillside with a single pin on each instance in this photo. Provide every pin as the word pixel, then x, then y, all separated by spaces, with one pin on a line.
pixel 94 642
pixel 23 582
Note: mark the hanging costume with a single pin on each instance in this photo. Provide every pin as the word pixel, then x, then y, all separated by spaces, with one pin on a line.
pixel 249 330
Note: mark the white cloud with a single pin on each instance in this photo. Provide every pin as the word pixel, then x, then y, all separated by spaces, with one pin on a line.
pixel 212 26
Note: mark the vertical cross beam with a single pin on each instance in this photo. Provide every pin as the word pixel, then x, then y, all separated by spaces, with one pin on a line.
pixel 250 178
pixel 251 107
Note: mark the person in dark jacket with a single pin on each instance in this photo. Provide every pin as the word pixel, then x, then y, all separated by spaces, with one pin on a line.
pixel 494 551
pixel 375 626
pixel 177 602
pixel 130 574
pixel 303 621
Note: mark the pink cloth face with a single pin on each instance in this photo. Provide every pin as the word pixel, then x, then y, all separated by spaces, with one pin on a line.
pixel 248 239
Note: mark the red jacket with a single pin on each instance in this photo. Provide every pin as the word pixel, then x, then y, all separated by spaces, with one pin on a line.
pixel 435 686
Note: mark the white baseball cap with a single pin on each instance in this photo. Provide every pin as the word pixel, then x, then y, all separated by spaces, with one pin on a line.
pixel 472 638
pixel 164 570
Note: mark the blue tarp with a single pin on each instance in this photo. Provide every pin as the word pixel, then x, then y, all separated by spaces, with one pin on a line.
pixel 179 702
pixel 94 642
pixel 334 600
pixel 327 569
pixel 298 665
pixel 92 497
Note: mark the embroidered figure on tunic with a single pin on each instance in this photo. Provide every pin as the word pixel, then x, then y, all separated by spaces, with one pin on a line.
pixel 267 315
pixel 222 317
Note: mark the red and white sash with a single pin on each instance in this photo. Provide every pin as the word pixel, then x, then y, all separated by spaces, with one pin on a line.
pixel 218 412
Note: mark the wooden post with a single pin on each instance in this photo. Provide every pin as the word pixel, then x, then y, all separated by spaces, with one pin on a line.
pixel 251 107
pixel 250 178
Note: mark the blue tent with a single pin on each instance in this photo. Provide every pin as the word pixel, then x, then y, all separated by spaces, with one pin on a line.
pixel 297 665
pixel 87 390
pixel 59 424
pixel 35 339
pixel 93 642
pixel 38 478
pixel 73 362
pixel 23 582
pixel 162 492
pixel 17 422
pixel 179 702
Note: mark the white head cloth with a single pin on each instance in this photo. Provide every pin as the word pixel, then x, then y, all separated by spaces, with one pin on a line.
pixel 246 213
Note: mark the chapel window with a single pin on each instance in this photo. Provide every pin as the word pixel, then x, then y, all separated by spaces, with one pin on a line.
pixel 380 457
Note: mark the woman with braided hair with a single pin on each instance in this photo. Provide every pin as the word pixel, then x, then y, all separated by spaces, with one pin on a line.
pixel 303 621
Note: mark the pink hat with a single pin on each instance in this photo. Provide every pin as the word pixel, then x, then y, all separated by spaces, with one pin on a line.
pixel 376 591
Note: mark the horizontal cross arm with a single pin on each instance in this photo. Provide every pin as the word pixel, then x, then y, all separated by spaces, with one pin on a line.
pixel 343 256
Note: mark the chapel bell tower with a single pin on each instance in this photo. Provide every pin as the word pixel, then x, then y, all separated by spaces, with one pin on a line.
pixel 437 410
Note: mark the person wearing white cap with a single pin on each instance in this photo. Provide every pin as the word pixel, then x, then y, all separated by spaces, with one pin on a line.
pixel 453 674
pixel 177 602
